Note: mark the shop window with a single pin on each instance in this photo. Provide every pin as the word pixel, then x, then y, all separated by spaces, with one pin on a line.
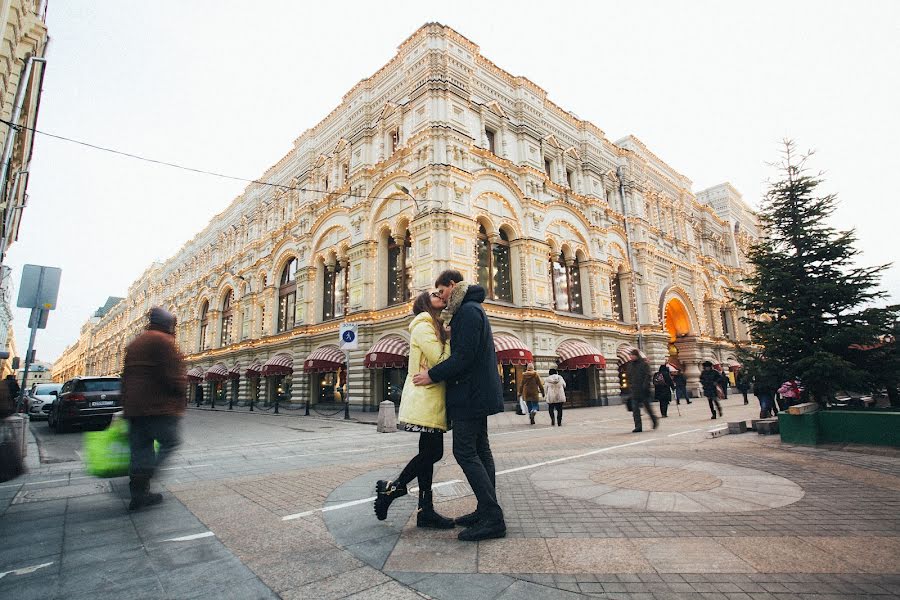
pixel 227 320
pixel 204 325
pixel 392 385
pixel 395 139
pixel 399 269
pixel 334 294
pixel 615 294
pixel 287 296
pixel 566 284
pixel 494 266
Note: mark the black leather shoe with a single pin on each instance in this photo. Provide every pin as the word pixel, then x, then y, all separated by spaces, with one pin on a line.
pixel 467 520
pixel 636 430
pixel 483 531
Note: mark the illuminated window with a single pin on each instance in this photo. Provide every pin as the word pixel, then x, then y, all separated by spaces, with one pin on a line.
pixel 227 320
pixel 204 324
pixel 399 275
pixel 287 296
pixel 494 266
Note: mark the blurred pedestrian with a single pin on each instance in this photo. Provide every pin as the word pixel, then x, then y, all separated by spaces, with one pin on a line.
pixel 12 386
pixel 765 388
pixel 555 394
pixel 681 388
pixel 637 372
pixel 742 383
pixel 723 383
pixel 423 409
pixel 529 389
pixel 662 389
pixel 153 391
pixel 710 381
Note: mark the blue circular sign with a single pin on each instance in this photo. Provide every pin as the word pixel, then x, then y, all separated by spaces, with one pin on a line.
pixel 348 336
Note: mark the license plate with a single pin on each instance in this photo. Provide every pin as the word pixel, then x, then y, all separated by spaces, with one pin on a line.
pixel 103 403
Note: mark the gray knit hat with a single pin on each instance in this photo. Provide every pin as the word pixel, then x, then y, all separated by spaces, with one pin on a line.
pixel 161 319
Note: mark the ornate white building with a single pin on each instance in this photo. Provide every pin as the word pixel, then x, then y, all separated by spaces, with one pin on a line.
pixel 441 159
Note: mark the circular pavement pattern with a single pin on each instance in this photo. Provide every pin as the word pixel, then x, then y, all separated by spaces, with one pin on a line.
pixel 670 485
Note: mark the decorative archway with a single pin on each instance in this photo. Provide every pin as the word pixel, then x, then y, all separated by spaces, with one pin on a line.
pixel 676 319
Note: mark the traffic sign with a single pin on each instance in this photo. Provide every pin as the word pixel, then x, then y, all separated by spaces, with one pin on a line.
pixel 39 287
pixel 349 336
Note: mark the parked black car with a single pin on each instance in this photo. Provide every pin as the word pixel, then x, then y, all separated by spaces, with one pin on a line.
pixel 86 401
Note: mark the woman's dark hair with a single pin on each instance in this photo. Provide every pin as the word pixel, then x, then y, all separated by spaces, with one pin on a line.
pixel 421 304
pixel 663 368
pixel 447 277
pixel 707 364
pixel 553 371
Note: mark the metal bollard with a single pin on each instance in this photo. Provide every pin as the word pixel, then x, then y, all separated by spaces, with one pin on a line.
pixel 306 414
pixel 277 397
pixel 251 404
pixel 230 401
pixel 347 409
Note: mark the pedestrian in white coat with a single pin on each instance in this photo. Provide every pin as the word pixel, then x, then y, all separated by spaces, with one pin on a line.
pixel 555 394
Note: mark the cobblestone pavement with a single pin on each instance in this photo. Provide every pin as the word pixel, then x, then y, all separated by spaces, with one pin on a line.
pixel 264 506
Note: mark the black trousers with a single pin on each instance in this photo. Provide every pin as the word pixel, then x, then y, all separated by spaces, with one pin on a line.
pixel 473 454
pixel 636 411
pixel 712 409
pixel 142 432
pixel 556 407
pixel 421 467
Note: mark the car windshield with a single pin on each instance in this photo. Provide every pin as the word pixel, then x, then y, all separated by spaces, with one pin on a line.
pixel 44 390
pixel 101 385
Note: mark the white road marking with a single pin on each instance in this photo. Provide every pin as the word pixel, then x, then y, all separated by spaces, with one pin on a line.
pixel 188 538
pixel 717 429
pixel 184 467
pixel 683 432
pixel 25 570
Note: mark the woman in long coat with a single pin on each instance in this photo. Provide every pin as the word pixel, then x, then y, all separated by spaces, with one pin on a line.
pixel 662 389
pixel 529 389
pixel 423 409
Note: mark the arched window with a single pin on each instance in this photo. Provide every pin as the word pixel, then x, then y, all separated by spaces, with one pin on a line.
pixel 566 283
pixel 227 320
pixel 204 324
pixel 399 269
pixel 334 296
pixel 615 294
pixel 494 266
pixel 287 296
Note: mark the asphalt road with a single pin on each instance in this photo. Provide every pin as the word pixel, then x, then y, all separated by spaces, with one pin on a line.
pixel 56 447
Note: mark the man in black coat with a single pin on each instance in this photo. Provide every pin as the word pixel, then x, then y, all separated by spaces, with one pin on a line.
pixel 473 393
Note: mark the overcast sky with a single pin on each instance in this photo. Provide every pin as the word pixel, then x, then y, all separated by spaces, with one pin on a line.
pixel 710 87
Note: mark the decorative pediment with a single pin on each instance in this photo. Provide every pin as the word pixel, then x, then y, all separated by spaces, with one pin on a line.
pixel 319 161
pixel 341 144
pixel 573 152
pixel 496 108
pixel 551 140
pixel 388 110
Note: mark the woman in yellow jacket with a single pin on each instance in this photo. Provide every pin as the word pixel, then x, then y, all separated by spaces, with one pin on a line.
pixel 423 410
pixel 529 388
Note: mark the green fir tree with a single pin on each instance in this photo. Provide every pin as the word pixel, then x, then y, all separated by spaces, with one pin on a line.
pixel 812 311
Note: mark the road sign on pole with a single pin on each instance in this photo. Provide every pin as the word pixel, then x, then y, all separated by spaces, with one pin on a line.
pixel 349 336
pixel 39 287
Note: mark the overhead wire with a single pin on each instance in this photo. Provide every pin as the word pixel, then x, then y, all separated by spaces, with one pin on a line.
pixel 182 167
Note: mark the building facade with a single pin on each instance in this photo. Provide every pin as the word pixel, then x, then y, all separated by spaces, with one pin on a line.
pixel 21 73
pixel 586 247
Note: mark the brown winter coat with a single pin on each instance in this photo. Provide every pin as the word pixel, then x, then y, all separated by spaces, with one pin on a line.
pixel 531 385
pixel 153 378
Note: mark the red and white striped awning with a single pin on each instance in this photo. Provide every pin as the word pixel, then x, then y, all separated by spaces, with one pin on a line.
pixel 254 370
pixel 195 374
pixel 235 371
pixel 324 360
pixel 390 352
pixel 280 364
pixel 511 350
pixel 623 353
pixel 574 354
pixel 218 372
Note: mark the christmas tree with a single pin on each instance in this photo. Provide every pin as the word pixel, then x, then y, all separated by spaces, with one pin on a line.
pixel 813 312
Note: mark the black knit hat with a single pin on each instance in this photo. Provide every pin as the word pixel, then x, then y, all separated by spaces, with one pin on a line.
pixel 161 319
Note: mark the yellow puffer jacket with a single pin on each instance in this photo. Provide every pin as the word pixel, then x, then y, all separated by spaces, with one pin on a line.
pixel 424 405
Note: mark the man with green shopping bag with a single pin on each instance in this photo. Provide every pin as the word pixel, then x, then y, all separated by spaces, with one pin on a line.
pixel 153 399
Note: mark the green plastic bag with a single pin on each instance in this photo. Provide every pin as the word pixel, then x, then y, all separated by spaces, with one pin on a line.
pixel 106 452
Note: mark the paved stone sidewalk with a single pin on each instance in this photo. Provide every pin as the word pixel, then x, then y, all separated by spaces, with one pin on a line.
pixel 592 511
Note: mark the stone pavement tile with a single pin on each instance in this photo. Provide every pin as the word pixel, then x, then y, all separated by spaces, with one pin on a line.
pixel 249 589
pixel 433 555
pixel 144 586
pixel 125 537
pixel 407 577
pixel 175 555
pixel 338 586
pixel 597 556
pixel 694 555
pixel 387 591
pixel 20 587
pixel 186 581
pixel 870 554
pixel 291 570
pixel 374 552
pixel 468 586
pixel 523 590
pixel 767 554
pixel 512 555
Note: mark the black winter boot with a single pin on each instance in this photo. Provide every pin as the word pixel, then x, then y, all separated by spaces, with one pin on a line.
pixel 429 518
pixel 139 486
pixel 385 493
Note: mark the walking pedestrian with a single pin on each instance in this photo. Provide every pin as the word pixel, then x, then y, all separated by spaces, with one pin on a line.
pixel 742 383
pixel 723 383
pixel 662 389
pixel 710 381
pixel 765 388
pixel 473 392
pixel 637 372
pixel 529 389
pixel 422 409
pixel 14 390
pixel 153 393
pixel 555 395
pixel 198 394
pixel 681 388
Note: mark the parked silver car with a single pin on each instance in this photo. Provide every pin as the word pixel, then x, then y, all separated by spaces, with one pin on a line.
pixel 39 399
